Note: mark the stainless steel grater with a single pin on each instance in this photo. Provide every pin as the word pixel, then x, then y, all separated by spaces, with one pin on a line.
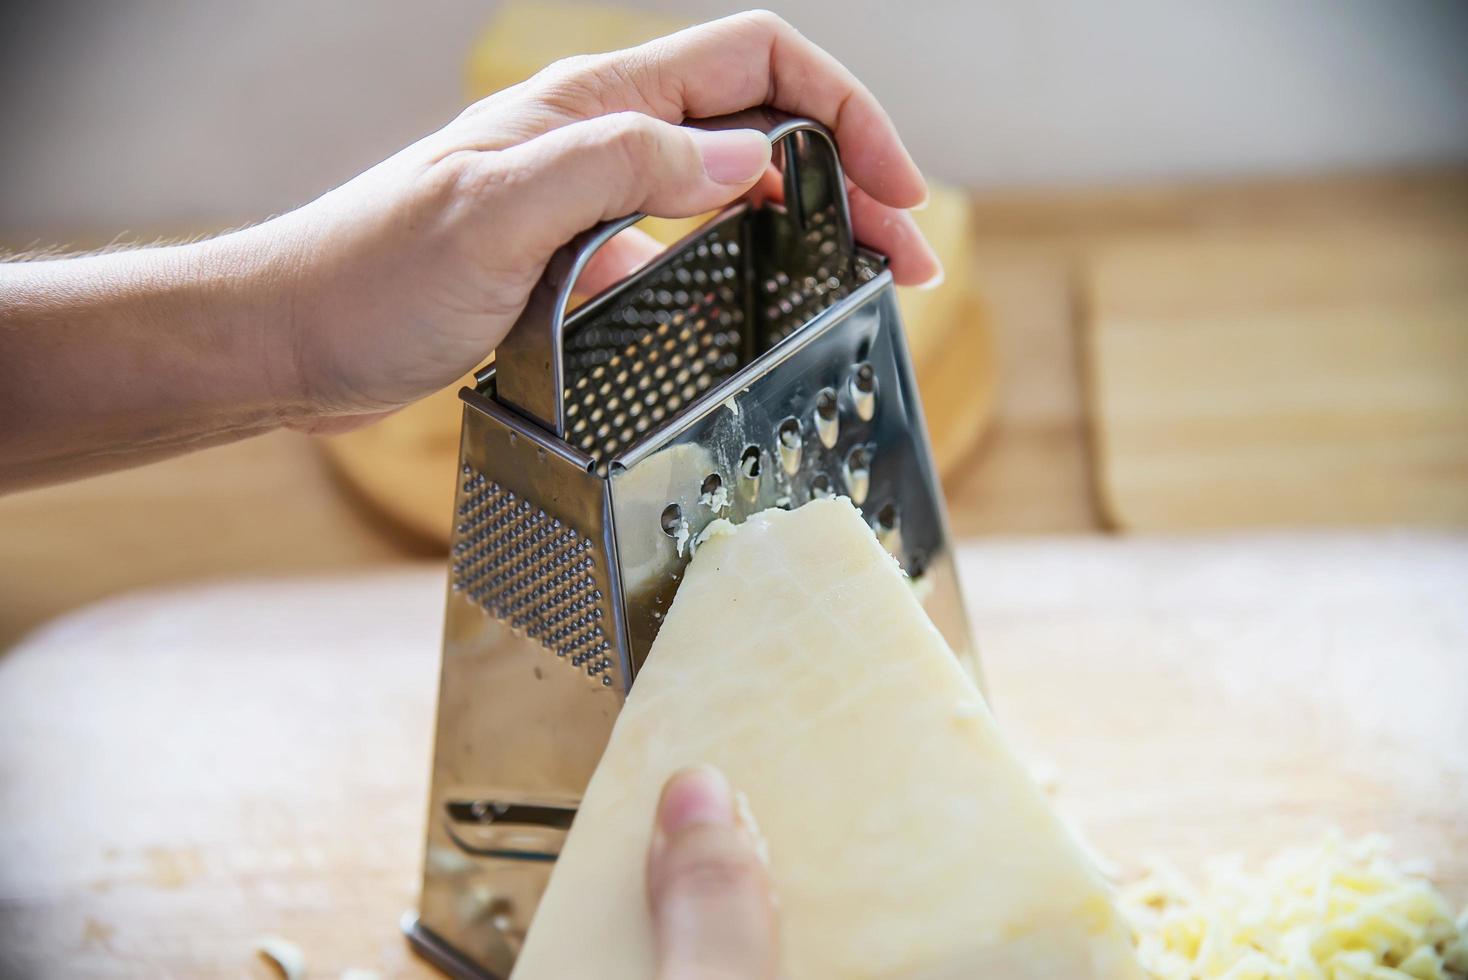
pixel 757 363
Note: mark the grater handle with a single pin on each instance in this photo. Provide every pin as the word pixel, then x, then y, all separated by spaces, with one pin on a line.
pixel 529 364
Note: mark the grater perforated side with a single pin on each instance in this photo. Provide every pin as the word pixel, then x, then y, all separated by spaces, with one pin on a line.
pixel 644 353
pixel 530 569
pixel 641 354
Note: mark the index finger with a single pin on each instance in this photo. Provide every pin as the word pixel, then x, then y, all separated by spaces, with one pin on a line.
pixel 758 58
pixel 735 63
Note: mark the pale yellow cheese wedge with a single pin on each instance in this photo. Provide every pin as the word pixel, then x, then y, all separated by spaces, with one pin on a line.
pixel 905 840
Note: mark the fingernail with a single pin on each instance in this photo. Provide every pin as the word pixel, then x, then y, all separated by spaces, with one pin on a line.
pixel 693 797
pixel 732 156
pixel 923 204
pixel 934 282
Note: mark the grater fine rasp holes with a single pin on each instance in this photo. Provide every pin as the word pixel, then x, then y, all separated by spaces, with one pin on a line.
pixel 682 330
pixel 791 298
pixel 638 362
pixel 531 571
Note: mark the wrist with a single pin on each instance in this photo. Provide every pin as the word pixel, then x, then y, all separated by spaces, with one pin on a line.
pixel 246 288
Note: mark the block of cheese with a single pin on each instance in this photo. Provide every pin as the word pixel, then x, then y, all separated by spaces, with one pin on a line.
pixel 905 840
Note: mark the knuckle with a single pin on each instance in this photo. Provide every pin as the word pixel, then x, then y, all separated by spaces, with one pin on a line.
pixel 451 175
pixel 629 147
pixel 572 66
pixel 713 865
pixel 632 134
pixel 462 181
pixel 481 106
pixel 766 20
pixel 571 85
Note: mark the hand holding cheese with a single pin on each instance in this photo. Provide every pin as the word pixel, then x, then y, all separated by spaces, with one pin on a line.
pixel 706 885
pixel 904 839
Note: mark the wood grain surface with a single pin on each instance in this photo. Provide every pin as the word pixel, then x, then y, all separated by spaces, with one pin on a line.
pixel 1285 378
pixel 183 772
pixel 1034 251
pixel 265 506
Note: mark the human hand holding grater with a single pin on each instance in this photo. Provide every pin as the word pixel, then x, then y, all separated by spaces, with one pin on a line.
pixel 396 283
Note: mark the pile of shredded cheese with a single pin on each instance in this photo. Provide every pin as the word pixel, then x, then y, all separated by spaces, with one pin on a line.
pixel 1337 911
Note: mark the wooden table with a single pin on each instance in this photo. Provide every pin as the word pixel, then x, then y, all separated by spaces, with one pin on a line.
pixel 182 772
pixel 265 506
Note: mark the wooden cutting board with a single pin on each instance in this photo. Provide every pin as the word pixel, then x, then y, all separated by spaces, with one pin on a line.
pixel 1280 378
pixel 184 772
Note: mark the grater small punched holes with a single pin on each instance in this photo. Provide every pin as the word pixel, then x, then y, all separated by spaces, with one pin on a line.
pixel 760 362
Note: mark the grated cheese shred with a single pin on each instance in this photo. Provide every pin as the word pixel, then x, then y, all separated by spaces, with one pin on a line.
pixel 1337 911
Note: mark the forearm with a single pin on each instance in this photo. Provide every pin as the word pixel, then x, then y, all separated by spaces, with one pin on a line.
pixel 115 359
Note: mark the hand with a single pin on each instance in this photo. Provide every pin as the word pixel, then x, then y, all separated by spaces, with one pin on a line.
pixel 408 276
pixel 712 911
pixel 404 279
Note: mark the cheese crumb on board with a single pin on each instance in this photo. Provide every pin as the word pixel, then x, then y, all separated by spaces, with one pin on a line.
pixel 1337 911
pixel 905 841
pixel 284 955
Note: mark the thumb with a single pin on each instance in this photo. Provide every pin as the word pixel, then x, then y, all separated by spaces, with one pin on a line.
pixel 567 180
pixel 711 906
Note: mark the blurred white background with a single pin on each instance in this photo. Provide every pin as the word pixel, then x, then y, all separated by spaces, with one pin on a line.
pixel 167 116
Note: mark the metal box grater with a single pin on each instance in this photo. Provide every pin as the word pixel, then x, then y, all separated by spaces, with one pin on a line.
pixel 757 363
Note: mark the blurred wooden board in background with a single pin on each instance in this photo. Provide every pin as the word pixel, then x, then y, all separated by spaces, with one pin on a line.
pixel 1033 252
pixel 265 506
pixel 527 35
pixel 1279 378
